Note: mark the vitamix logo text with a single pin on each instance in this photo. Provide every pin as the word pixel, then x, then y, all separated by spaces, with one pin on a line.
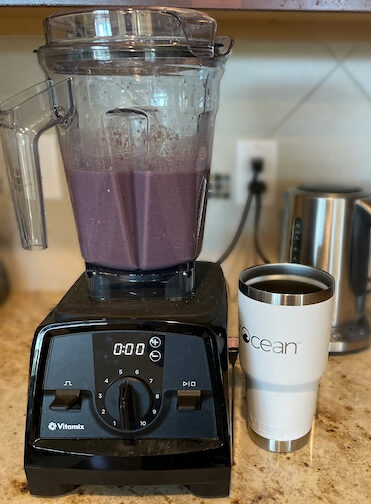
pixel 64 426
pixel 266 345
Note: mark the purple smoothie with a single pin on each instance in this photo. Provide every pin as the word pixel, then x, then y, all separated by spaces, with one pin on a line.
pixel 139 219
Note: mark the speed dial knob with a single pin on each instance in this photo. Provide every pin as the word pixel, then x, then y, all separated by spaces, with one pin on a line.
pixel 128 401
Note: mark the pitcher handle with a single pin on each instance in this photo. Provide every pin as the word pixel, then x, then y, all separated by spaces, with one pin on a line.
pixel 23 119
pixel 360 245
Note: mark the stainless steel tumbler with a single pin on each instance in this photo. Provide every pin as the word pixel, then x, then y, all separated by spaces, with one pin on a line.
pixel 285 314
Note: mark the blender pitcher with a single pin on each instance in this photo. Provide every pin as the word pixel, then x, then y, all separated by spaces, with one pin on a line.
pixel 134 94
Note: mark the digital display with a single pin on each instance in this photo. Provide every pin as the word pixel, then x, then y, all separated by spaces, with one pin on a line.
pixel 129 348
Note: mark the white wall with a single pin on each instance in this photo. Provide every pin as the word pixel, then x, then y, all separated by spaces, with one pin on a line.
pixel 313 98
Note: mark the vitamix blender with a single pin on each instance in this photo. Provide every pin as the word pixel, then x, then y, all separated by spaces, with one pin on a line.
pixel 128 372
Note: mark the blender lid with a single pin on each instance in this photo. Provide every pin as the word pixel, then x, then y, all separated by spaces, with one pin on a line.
pixel 138 29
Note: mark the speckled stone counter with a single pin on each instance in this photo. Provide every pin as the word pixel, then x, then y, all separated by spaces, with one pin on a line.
pixel 333 468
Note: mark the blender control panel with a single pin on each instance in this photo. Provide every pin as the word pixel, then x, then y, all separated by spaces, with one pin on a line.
pixel 128 378
pixel 128 384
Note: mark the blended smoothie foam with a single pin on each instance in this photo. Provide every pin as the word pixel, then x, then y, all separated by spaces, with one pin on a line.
pixel 133 219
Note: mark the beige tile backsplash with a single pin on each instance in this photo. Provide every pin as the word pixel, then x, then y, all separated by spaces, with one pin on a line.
pixel 313 98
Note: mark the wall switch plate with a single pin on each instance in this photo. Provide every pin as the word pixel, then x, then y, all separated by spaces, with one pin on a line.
pixel 247 150
pixel 219 186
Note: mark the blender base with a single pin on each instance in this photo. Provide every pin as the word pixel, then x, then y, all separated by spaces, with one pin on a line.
pixel 50 483
pixel 182 439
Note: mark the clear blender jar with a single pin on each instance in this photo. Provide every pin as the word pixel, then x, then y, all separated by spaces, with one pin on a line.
pixel 134 93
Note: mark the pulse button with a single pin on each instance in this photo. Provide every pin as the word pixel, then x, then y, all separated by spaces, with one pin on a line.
pixel 66 399
pixel 188 399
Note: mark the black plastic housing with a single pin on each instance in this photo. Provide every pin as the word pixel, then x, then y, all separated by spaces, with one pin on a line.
pixel 55 466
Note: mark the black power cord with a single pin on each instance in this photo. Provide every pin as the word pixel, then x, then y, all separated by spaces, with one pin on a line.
pixel 241 225
pixel 258 249
pixel 256 188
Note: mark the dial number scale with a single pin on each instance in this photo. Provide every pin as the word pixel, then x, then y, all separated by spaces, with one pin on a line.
pixel 128 378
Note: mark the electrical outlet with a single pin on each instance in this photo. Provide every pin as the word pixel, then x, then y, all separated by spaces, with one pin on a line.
pixel 246 151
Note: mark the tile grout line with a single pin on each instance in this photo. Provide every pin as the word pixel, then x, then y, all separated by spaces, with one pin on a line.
pixel 352 77
pixel 339 64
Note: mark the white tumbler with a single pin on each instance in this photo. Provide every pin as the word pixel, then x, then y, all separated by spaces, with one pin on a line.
pixel 285 317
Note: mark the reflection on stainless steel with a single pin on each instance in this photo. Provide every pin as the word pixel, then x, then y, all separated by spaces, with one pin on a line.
pixel 329 227
pixel 279 446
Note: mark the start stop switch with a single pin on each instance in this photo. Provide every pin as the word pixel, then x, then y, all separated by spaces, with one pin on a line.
pixel 188 399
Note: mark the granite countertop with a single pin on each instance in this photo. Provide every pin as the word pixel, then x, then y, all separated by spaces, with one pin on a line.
pixel 333 468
